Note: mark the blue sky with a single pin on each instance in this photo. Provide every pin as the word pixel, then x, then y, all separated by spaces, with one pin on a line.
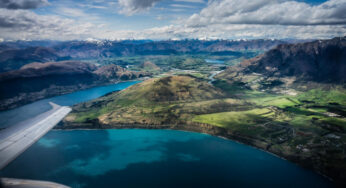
pixel 170 19
pixel 107 12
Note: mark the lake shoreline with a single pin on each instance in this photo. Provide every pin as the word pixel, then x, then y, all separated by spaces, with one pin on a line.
pixel 202 129
pixel 9 104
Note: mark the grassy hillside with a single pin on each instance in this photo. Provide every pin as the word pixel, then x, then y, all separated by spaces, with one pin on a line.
pixel 155 101
pixel 305 127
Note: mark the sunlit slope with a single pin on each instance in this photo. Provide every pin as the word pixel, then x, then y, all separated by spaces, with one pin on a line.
pixel 308 127
pixel 170 100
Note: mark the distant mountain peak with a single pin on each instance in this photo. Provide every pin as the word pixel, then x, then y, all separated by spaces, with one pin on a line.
pixel 319 61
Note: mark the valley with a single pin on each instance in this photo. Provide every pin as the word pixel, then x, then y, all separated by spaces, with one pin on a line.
pixel 256 98
pixel 298 117
pixel 299 128
pixel 64 67
pixel 173 93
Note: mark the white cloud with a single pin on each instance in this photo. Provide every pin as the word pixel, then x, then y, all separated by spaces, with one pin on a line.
pixel 25 25
pixel 130 7
pixel 72 12
pixel 22 4
pixel 270 12
pixel 191 1
pixel 233 19
pixel 234 31
pixel 91 6
pixel 227 19
pixel 181 6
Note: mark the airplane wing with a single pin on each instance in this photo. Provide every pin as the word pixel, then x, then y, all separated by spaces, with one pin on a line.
pixel 17 138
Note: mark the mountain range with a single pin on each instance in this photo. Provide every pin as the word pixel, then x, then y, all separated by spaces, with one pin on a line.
pixel 13 55
pixel 290 101
pixel 300 66
pixel 321 60
pixel 40 80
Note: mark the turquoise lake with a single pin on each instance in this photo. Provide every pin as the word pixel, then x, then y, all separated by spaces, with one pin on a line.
pixel 154 158
pixel 10 117
pixel 145 158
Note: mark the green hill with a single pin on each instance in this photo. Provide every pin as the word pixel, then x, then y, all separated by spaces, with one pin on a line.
pixel 156 101
pixel 308 128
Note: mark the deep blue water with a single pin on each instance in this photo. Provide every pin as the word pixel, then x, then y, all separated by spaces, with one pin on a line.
pixel 10 117
pixel 145 158
pixel 154 158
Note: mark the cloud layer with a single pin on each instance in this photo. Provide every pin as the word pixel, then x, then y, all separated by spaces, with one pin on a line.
pixel 270 12
pixel 234 31
pixel 130 7
pixel 22 4
pixel 25 25
pixel 227 19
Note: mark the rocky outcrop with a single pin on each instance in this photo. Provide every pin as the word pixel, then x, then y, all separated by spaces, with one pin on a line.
pixel 320 61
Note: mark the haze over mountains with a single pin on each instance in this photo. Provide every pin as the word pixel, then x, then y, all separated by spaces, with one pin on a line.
pixel 14 55
pixel 25 63
pixel 321 61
